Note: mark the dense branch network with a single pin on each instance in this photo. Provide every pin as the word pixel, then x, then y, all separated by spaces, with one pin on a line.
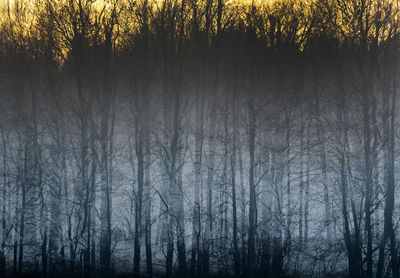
pixel 193 138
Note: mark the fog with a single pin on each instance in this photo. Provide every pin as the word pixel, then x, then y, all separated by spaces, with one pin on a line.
pixel 199 139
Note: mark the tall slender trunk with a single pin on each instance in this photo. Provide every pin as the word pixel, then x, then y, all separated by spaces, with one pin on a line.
pixel 147 212
pixel 388 229
pixel 277 177
pixel 288 235
pixel 252 205
pixel 208 229
pixel 236 254
pixel 243 204
pixel 16 221
pixel 22 223
pixel 391 183
pixel 180 217
pixel 196 260
pixel 222 191
pixel 92 212
pixel 107 121
pixel 196 240
pixel 139 201
pixel 105 205
pixel 321 139
pixel 4 192
pixel 301 192
pixel 307 189
pixel 368 179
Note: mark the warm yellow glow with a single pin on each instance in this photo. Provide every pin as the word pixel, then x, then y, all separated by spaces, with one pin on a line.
pixel 20 18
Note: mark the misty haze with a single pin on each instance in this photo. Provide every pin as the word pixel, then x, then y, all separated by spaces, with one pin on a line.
pixel 199 138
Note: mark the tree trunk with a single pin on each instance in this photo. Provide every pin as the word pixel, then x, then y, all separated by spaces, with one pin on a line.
pixel 139 201
pixel 252 187
pixel 236 254
pixel 147 212
pixel 388 229
pixel 368 180
pixel 196 237
pixel 208 229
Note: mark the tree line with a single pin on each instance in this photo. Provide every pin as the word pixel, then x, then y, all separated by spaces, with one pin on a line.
pixel 199 138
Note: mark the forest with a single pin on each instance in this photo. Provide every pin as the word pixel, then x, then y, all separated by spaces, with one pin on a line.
pixel 199 138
